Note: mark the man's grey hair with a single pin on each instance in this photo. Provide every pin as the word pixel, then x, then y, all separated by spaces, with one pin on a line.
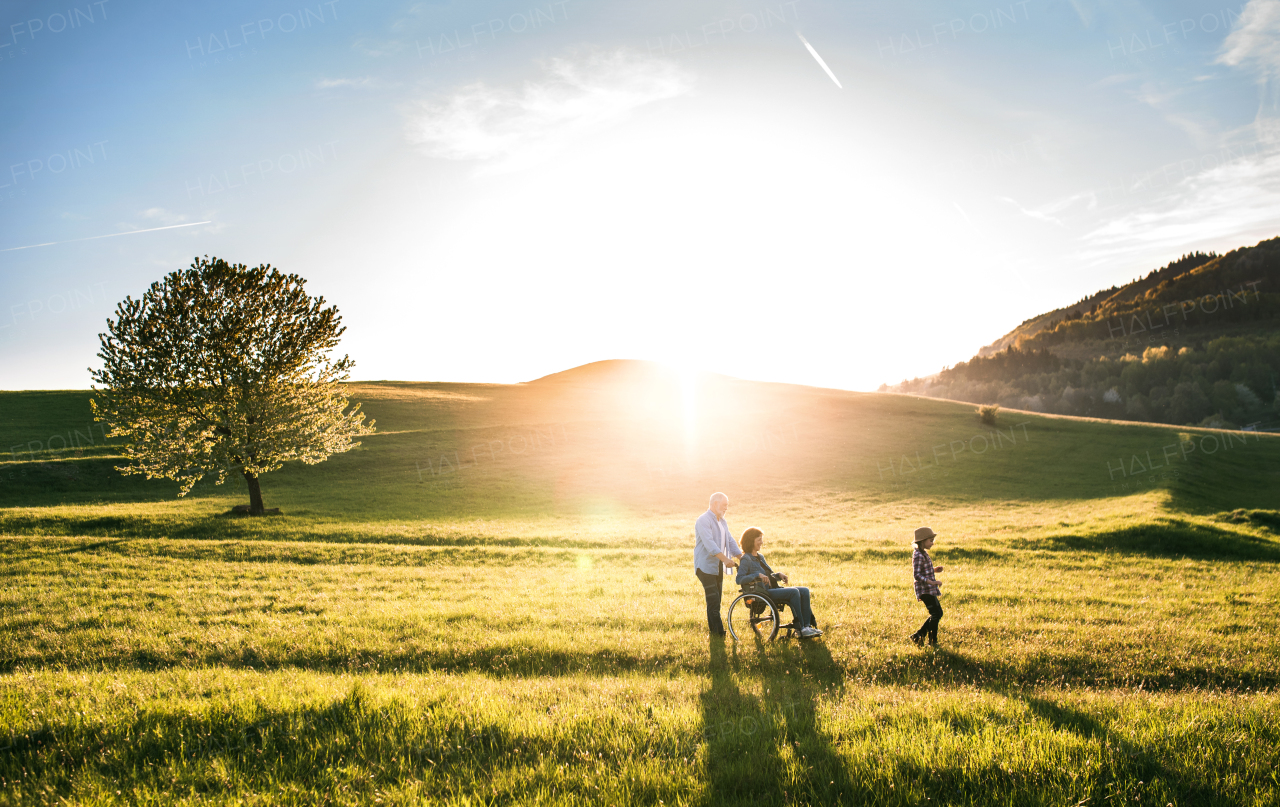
pixel 715 497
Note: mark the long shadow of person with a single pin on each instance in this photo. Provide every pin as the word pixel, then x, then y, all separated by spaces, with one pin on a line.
pixel 766 743
pixel 818 774
pixel 1125 762
pixel 739 729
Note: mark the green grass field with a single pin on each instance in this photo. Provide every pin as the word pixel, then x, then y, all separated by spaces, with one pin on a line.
pixel 492 602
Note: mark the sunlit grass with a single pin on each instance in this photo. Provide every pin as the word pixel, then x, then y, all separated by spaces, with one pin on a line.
pixel 301 737
pixel 529 629
pixel 176 669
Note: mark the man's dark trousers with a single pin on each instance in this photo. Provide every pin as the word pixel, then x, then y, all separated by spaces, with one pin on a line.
pixel 713 587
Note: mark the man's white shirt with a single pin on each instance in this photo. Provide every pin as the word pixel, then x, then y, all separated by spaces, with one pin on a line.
pixel 712 537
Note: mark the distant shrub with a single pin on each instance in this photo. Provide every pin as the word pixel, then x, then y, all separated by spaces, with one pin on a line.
pixel 987 413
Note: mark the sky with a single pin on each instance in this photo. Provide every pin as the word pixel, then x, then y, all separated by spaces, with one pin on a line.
pixel 839 194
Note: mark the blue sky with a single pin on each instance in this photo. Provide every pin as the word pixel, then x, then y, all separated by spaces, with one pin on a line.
pixel 493 191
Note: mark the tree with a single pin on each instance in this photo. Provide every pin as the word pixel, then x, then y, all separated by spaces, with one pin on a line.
pixel 1188 405
pixel 221 368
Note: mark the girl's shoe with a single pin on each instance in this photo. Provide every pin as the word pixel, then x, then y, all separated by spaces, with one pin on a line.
pixel 917 640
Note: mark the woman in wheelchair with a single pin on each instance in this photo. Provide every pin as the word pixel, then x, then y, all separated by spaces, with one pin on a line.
pixel 752 569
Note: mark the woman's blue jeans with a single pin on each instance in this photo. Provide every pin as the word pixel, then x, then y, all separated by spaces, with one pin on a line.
pixel 797 599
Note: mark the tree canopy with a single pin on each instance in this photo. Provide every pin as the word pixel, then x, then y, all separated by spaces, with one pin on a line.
pixel 222 368
pixel 1192 343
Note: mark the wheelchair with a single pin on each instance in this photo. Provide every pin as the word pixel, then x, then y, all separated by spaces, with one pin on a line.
pixel 756 615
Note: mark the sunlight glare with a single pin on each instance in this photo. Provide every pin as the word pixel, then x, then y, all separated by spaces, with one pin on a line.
pixel 687 373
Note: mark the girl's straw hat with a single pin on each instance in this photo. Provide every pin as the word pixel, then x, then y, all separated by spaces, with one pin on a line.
pixel 924 534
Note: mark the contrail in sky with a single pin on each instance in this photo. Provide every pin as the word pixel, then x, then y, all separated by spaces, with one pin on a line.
pixel 819 58
pixel 109 235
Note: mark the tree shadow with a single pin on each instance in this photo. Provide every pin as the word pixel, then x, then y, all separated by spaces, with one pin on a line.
pixel 84 480
pixel 135 526
pixel 294 525
pixel 89 547
pixel 16 551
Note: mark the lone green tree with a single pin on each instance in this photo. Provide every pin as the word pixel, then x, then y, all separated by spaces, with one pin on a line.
pixel 221 369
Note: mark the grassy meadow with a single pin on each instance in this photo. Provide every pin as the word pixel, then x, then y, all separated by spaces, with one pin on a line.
pixel 492 601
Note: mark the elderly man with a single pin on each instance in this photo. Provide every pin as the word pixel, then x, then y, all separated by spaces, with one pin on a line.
pixel 713 549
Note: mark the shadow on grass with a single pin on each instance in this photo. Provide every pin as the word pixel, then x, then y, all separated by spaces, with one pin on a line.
pixel 281 529
pixel 1167 538
pixel 249 747
pixel 890 554
pixel 821 775
pixel 911 668
pixel 1266 519
pixel 761 724
pixel 302 553
pixel 85 480
pixel 765 745
pixel 1128 761
pixel 1244 477
pixel 90 547
pixel 946 667
pixel 741 733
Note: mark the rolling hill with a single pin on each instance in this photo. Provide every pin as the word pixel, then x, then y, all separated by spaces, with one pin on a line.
pixel 636 437
pixel 1195 342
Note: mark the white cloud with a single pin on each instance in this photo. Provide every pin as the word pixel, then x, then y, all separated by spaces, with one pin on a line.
pixel 513 129
pixel 1255 45
pixel 1256 41
pixel 377 48
pixel 1118 78
pixel 1233 203
pixel 1047 213
pixel 328 83
pixel 1083 13
pixel 1170 103
pixel 160 217
pixel 159 214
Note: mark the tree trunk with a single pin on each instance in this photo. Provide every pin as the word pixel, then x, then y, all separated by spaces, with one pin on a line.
pixel 255 494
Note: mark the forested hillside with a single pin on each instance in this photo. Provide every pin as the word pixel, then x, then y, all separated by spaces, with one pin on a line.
pixel 1195 342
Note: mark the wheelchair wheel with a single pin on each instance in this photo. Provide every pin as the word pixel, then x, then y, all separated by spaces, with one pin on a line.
pixel 753 617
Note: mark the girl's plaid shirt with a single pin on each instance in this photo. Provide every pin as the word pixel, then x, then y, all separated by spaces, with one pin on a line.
pixel 922 565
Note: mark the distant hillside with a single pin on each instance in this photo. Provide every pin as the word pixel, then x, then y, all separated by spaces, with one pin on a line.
pixel 1195 342
pixel 601 441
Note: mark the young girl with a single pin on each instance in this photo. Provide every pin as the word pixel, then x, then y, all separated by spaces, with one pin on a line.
pixel 927 586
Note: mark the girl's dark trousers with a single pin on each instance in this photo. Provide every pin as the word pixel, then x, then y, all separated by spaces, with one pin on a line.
pixel 930 626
